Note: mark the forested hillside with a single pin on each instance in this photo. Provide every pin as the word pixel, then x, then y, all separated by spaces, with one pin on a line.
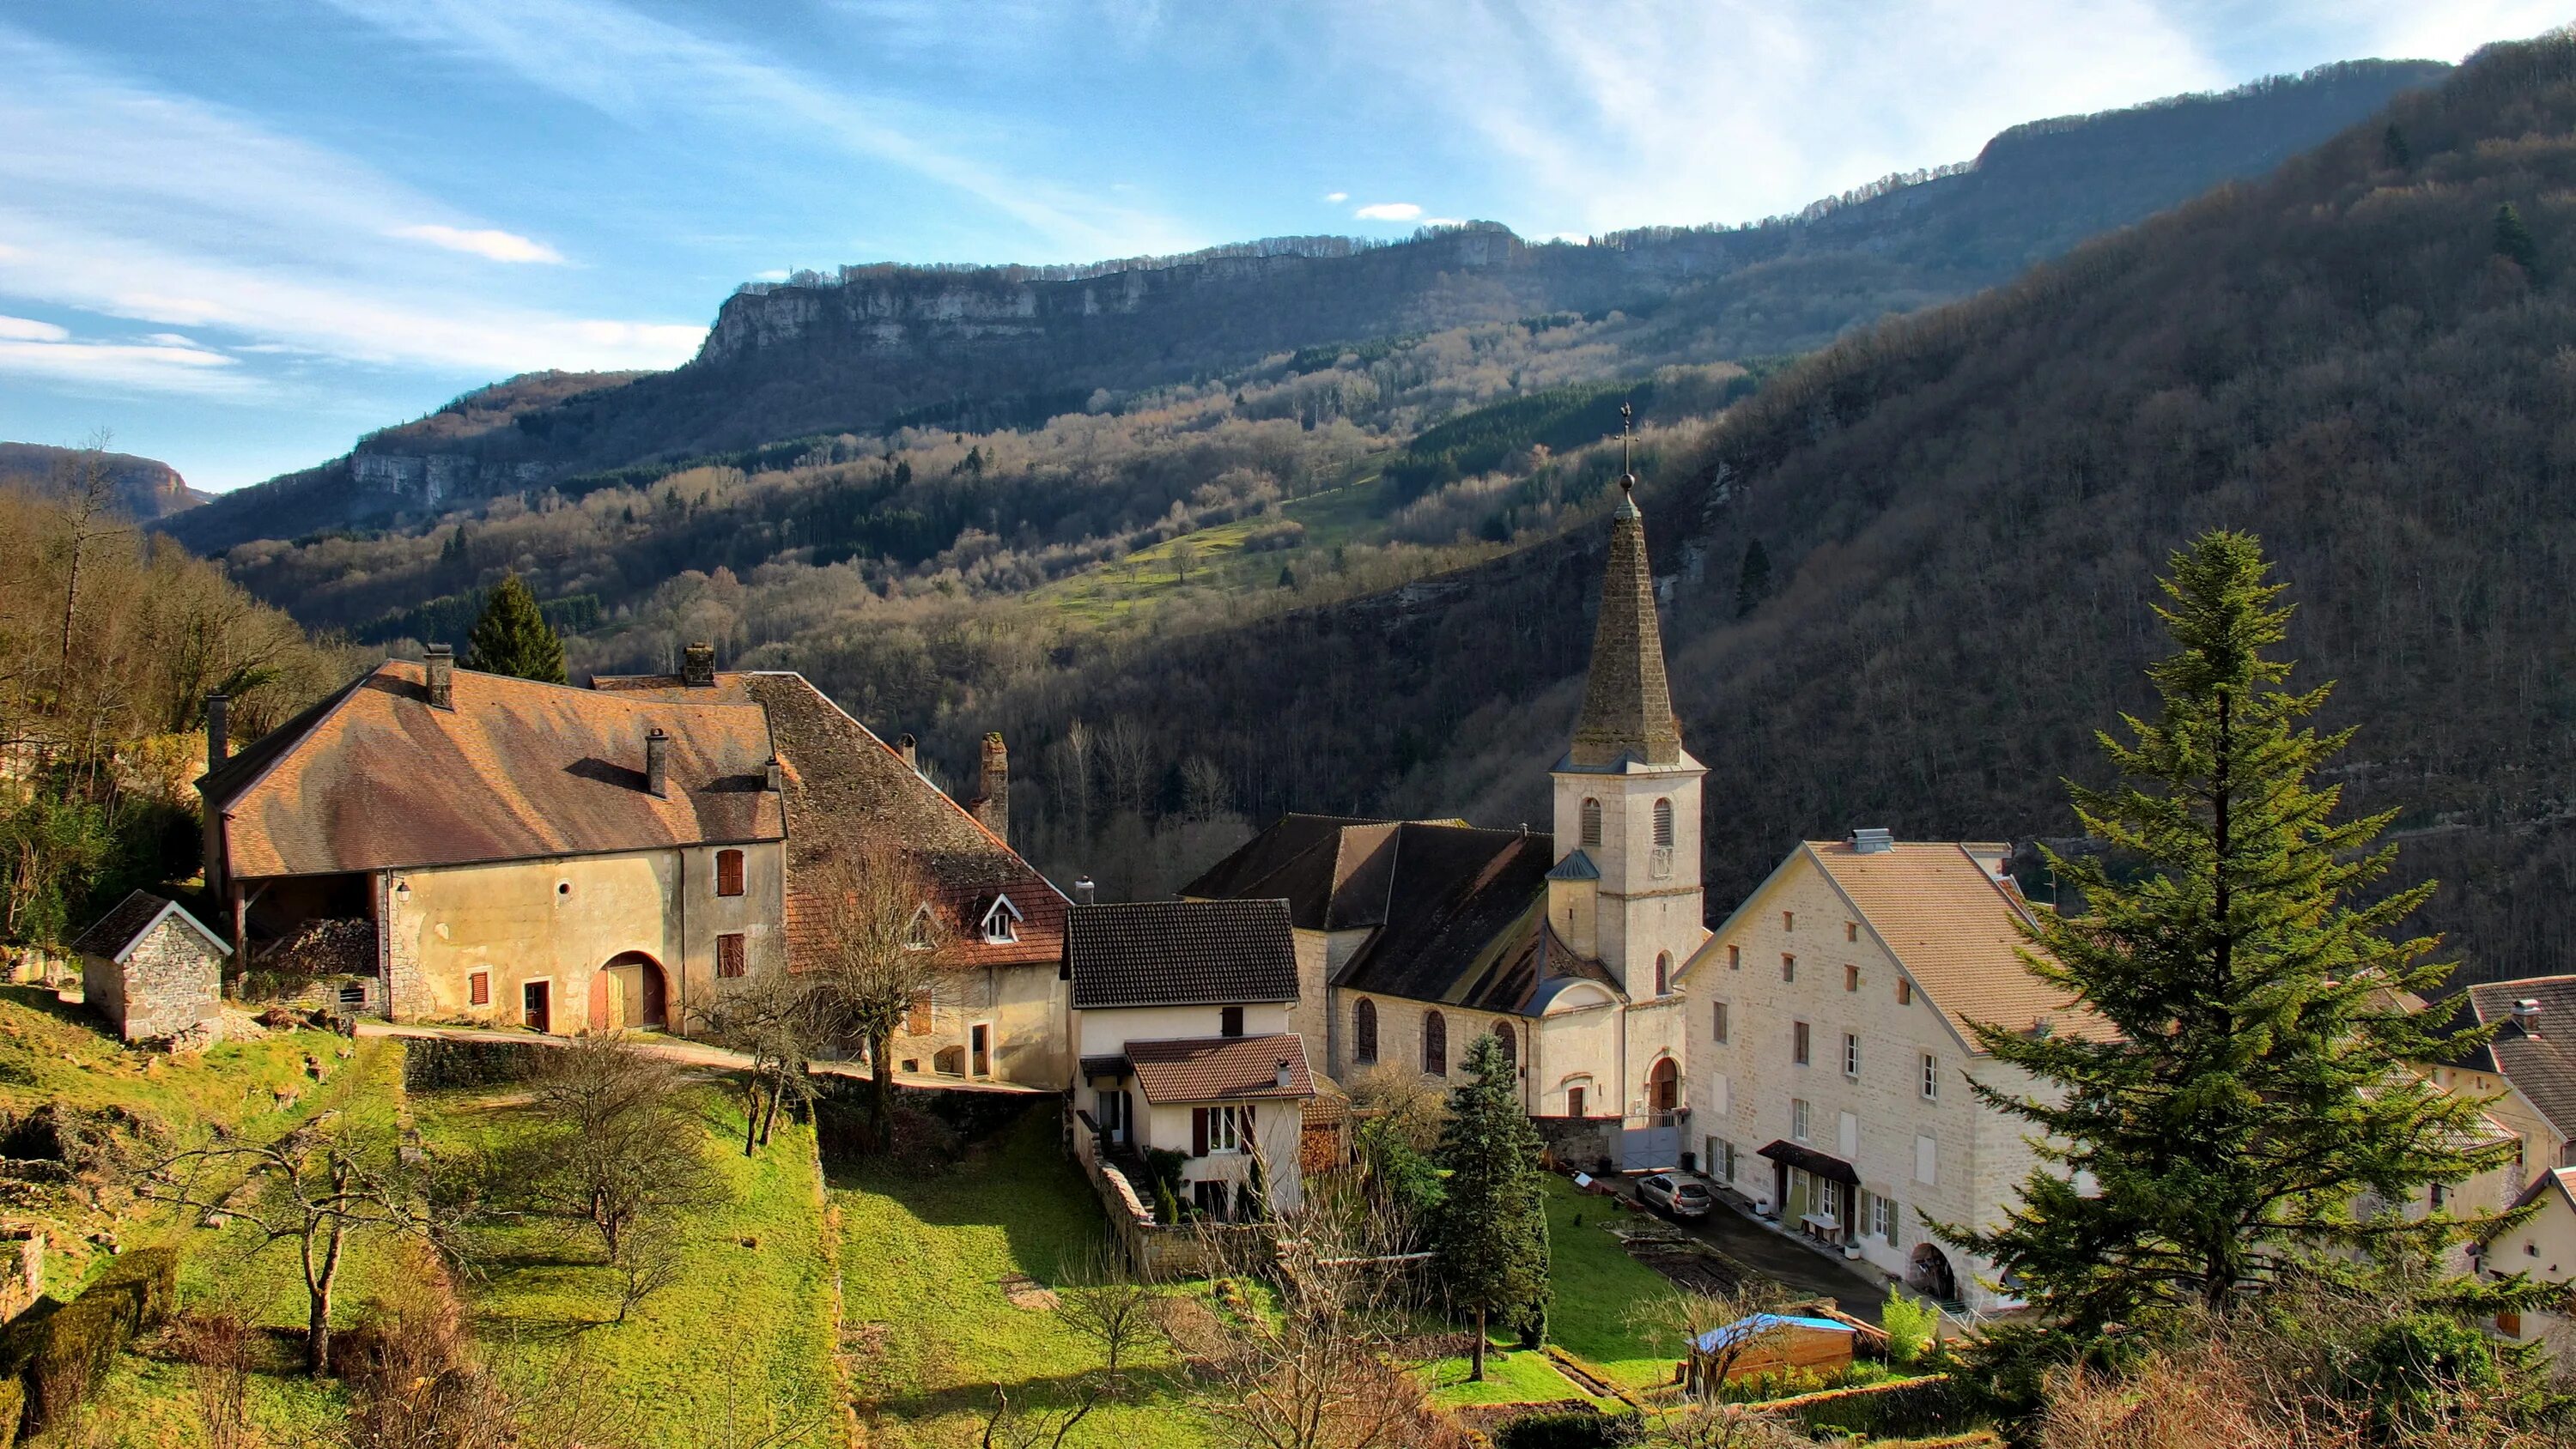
pixel 869 350
pixel 2363 358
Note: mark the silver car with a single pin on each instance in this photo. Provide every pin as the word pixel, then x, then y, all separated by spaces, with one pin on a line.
pixel 1675 1195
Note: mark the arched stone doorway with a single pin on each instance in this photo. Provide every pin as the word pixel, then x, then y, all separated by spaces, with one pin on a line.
pixel 1664 1086
pixel 1928 1273
pixel 631 990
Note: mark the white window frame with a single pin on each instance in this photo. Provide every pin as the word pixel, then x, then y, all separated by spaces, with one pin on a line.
pixel 1001 923
pixel 915 937
pixel 1798 1115
pixel 1225 1131
pixel 1931 1077
pixel 1882 1218
pixel 1851 1055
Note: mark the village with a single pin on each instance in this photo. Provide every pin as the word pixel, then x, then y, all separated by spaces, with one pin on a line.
pixel 1771 1136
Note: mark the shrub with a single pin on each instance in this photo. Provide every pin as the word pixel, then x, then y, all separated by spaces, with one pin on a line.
pixel 1908 1408
pixel 13 1407
pixel 1912 1325
pixel 1570 1429
pixel 67 1352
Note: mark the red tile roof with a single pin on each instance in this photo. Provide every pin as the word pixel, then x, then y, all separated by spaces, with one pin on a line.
pixel 1220 1068
pixel 374 778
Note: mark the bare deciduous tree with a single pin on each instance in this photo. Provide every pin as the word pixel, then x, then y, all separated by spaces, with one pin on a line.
pixel 883 944
pixel 620 1152
pixel 776 1019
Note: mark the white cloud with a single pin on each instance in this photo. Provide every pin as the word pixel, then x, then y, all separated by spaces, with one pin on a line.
pixel 774 274
pixel 644 70
pixel 158 208
pixel 499 246
pixel 27 329
pixel 122 366
pixel 1388 211
pixel 1337 197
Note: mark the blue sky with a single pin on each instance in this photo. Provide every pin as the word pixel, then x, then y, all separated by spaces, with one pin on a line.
pixel 238 233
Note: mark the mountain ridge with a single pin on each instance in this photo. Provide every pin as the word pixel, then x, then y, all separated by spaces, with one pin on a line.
pixel 146 488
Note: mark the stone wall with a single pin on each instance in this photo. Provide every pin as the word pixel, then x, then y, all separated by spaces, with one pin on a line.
pixel 168 988
pixel 22 1269
pixel 1580 1142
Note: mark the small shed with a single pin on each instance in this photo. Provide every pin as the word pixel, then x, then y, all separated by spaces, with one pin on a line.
pixel 154 971
pixel 1768 1343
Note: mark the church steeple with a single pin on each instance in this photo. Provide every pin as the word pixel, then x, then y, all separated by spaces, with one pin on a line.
pixel 1627 705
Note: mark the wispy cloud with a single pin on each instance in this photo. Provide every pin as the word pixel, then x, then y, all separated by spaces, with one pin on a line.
pixel 637 67
pixel 128 202
pixel 1388 211
pixel 41 350
pixel 27 329
pixel 1337 197
pixel 499 246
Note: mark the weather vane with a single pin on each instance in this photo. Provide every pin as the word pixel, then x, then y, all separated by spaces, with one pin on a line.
pixel 1627 478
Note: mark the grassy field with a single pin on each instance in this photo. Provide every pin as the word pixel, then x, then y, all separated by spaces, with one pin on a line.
pixel 931 1330
pixel 1600 1291
pixel 1524 1376
pixel 1117 592
pixel 748 1326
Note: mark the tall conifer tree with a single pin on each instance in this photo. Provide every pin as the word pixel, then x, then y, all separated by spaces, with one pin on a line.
pixel 1490 1236
pixel 2252 1101
pixel 512 637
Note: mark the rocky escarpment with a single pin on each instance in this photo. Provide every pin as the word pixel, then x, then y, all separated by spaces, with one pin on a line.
pixel 147 488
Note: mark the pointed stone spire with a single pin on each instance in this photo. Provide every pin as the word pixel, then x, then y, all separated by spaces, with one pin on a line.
pixel 1628 704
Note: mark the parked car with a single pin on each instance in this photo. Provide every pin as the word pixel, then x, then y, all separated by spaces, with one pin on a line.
pixel 1675 1195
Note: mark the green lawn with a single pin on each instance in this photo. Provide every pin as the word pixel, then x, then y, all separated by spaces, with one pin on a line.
pixel 931 1332
pixel 1116 591
pixel 1600 1291
pixel 1511 1377
pixel 749 1322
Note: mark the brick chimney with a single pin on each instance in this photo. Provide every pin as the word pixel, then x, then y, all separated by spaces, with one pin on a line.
pixel 219 731
pixel 441 659
pixel 698 666
pixel 910 749
pixel 657 763
pixel 993 788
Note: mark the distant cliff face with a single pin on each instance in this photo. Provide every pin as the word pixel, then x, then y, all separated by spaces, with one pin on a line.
pixel 145 487
pixel 869 347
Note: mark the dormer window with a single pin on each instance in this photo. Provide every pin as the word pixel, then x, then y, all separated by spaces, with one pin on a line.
pixel 918 935
pixel 1002 922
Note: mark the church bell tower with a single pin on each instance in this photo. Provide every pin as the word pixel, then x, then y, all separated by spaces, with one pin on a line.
pixel 1626 887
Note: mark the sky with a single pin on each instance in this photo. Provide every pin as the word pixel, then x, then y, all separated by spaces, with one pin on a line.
pixel 237 234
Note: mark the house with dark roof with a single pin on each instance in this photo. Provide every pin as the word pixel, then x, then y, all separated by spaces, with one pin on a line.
pixel 2528 1065
pixel 1414 937
pixel 2543 1245
pixel 512 852
pixel 1178 1014
pixel 1834 1058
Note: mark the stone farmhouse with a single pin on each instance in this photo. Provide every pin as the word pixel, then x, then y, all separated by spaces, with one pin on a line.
pixel 1413 937
pixel 1832 1015
pixel 2529 1066
pixel 567 859
pixel 1179 1016
pixel 154 971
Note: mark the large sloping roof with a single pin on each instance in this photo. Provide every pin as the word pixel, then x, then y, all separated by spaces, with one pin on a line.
pixel 1180 953
pixel 375 778
pixel 1331 869
pixel 1220 1068
pixel 2540 1058
pixel 847 789
pixel 117 932
pixel 1955 929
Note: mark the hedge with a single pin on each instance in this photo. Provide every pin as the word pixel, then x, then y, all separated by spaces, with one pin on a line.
pixel 13 1407
pixel 60 1357
pixel 1570 1429
pixel 1908 1408
pixel 438 1064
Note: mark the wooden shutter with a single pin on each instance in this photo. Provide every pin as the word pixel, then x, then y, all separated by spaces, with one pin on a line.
pixel 1198 1131
pixel 728 872
pixel 479 988
pixel 916 1022
pixel 730 959
pixel 1243 1125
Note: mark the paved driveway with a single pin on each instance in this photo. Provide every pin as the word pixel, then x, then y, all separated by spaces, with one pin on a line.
pixel 1803 1271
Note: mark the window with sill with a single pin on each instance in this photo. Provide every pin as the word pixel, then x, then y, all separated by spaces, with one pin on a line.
pixel 1798 1042
pixel 1851 1056
pixel 728 872
pixel 1931 1077
pixel 1797 1119
pixel 731 960
pixel 1001 924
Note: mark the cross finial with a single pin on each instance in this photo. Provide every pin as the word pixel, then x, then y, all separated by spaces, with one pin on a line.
pixel 1627 475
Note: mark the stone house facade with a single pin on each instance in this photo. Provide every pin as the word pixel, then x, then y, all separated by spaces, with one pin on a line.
pixel 1414 937
pixel 153 971
pixel 1835 1062
pixel 2528 1067
pixel 2543 1246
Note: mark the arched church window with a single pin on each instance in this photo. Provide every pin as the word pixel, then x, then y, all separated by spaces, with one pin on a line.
pixel 1510 1044
pixel 1663 825
pixel 1364 1030
pixel 1663 973
pixel 1591 822
pixel 1435 1044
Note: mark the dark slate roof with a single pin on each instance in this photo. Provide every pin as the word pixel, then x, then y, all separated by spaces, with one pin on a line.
pixel 374 778
pixel 847 788
pixel 1822 1164
pixel 1180 953
pixel 1331 869
pixel 111 934
pixel 1220 1068
pixel 1627 703
pixel 2542 1064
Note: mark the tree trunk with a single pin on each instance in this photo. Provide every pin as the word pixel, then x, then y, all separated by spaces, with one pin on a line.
pixel 1476 1355
pixel 318 1281
pixel 769 1115
pixel 881 1093
pixel 751 1117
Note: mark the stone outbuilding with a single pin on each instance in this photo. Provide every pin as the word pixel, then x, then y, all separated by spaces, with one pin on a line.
pixel 154 971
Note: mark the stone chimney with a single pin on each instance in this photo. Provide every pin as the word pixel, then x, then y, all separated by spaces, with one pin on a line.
pixel 698 666
pixel 910 749
pixel 2526 1014
pixel 657 763
pixel 1084 892
pixel 774 780
pixel 1283 1074
pixel 993 788
pixel 441 659
pixel 219 731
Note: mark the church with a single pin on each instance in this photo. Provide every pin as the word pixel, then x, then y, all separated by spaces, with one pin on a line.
pixel 1413 937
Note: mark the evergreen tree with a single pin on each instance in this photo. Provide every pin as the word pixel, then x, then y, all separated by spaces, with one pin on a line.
pixel 2513 239
pixel 2249 1098
pixel 1490 1235
pixel 2394 153
pixel 514 638
pixel 1753 580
